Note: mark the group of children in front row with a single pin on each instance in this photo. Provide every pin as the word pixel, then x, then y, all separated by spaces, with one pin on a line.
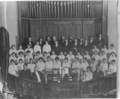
pixel 85 65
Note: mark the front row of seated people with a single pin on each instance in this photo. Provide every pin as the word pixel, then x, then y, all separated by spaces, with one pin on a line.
pixel 87 67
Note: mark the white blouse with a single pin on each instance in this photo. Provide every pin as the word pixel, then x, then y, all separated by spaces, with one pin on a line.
pixel 37 48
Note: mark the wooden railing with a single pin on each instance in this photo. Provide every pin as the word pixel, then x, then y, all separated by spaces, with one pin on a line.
pixel 61 90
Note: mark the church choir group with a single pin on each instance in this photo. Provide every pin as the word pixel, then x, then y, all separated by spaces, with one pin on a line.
pixel 90 59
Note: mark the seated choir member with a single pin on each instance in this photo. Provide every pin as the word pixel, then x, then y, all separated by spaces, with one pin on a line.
pixel 31 65
pixel 112 56
pixel 21 56
pixel 104 66
pixel 70 56
pixel 76 64
pixel 61 56
pixel 93 64
pixel 95 49
pixel 28 56
pixel 65 76
pixel 112 68
pixel 49 64
pixel 87 56
pixel 57 48
pixel 88 75
pixel 57 64
pixel 20 50
pixel 75 47
pixel 112 49
pixel 103 55
pixel 29 49
pixel 41 42
pixel 38 76
pixel 37 56
pixel 66 64
pixel 96 56
pixel 13 49
pixel 47 47
pixel 37 48
pixel 53 56
pixel 20 65
pixel 13 70
pixel 98 73
pixel 79 56
pixel 84 64
pixel 40 65
pixel 13 56
pixel 105 49
pixel 45 55
pixel 25 73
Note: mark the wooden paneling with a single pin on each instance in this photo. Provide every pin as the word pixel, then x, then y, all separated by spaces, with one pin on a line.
pixel 43 28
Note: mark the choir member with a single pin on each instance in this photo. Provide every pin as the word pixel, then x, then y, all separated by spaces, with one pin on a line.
pixel 105 49
pixel 40 65
pixel 62 41
pixel 70 42
pixel 38 76
pixel 85 46
pixel 28 56
pixel 103 55
pixel 79 56
pixel 112 49
pixel 112 68
pixel 70 56
pixel 25 73
pixel 41 42
pixel 48 39
pixel 20 50
pixel 13 56
pixel 61 56
pixel 57 48
pixel 37 48
pixel 98 73
pixel 47 47
pixel 66 64
pixel 88 75
pixel 20 65
pixel 49 64
pixel 81 44
pixel 96 56
pixel 76 64
pixel 93 64
pixel 104 66
pixel 84 64
pixel 37 56
pixel 91 42
pixel 31 65
pixel 13 70
pixel 53 41
pixel 87 56
pixel 57 64
pixel 21 56
pixel 75 47
pixel 30 42
pixel 95 49
pixel 112 56
pixel 29 49
pixel 66 47
pixel 13 49
pixel 53 56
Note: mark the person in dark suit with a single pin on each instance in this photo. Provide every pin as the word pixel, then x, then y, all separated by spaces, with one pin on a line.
pixel 38 76
pixel 91 42
pixel 30 42
pixel 53 39
pixel 65 77
pixel 62 41
pixel 48 39
pixel 99 41
pixel 25 73
pixel 57 48
pixel 75 47
pixel 98 73
pixel 85 46
pixel 66 47
pixel 80 47
pixel 71 42
pixel 41 42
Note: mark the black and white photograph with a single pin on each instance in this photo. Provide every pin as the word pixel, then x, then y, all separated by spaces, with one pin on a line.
pixel 59 49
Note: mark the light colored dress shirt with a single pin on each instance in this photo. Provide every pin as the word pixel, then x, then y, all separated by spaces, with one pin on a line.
pixel 11 51
pixel 70 57
pixel 61 57
pixel 87 56
pixel 104 67
pixel 47 48
pixel 40 66
pixel 31 50
pixel 31 67
pixel 112 68
pixel 13 69
pixel 53 57
pixel 37 48
pixel 88 76
pixel 49 65
pixel 76 65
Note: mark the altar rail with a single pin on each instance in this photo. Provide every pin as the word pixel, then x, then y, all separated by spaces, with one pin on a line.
pixel 61 90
